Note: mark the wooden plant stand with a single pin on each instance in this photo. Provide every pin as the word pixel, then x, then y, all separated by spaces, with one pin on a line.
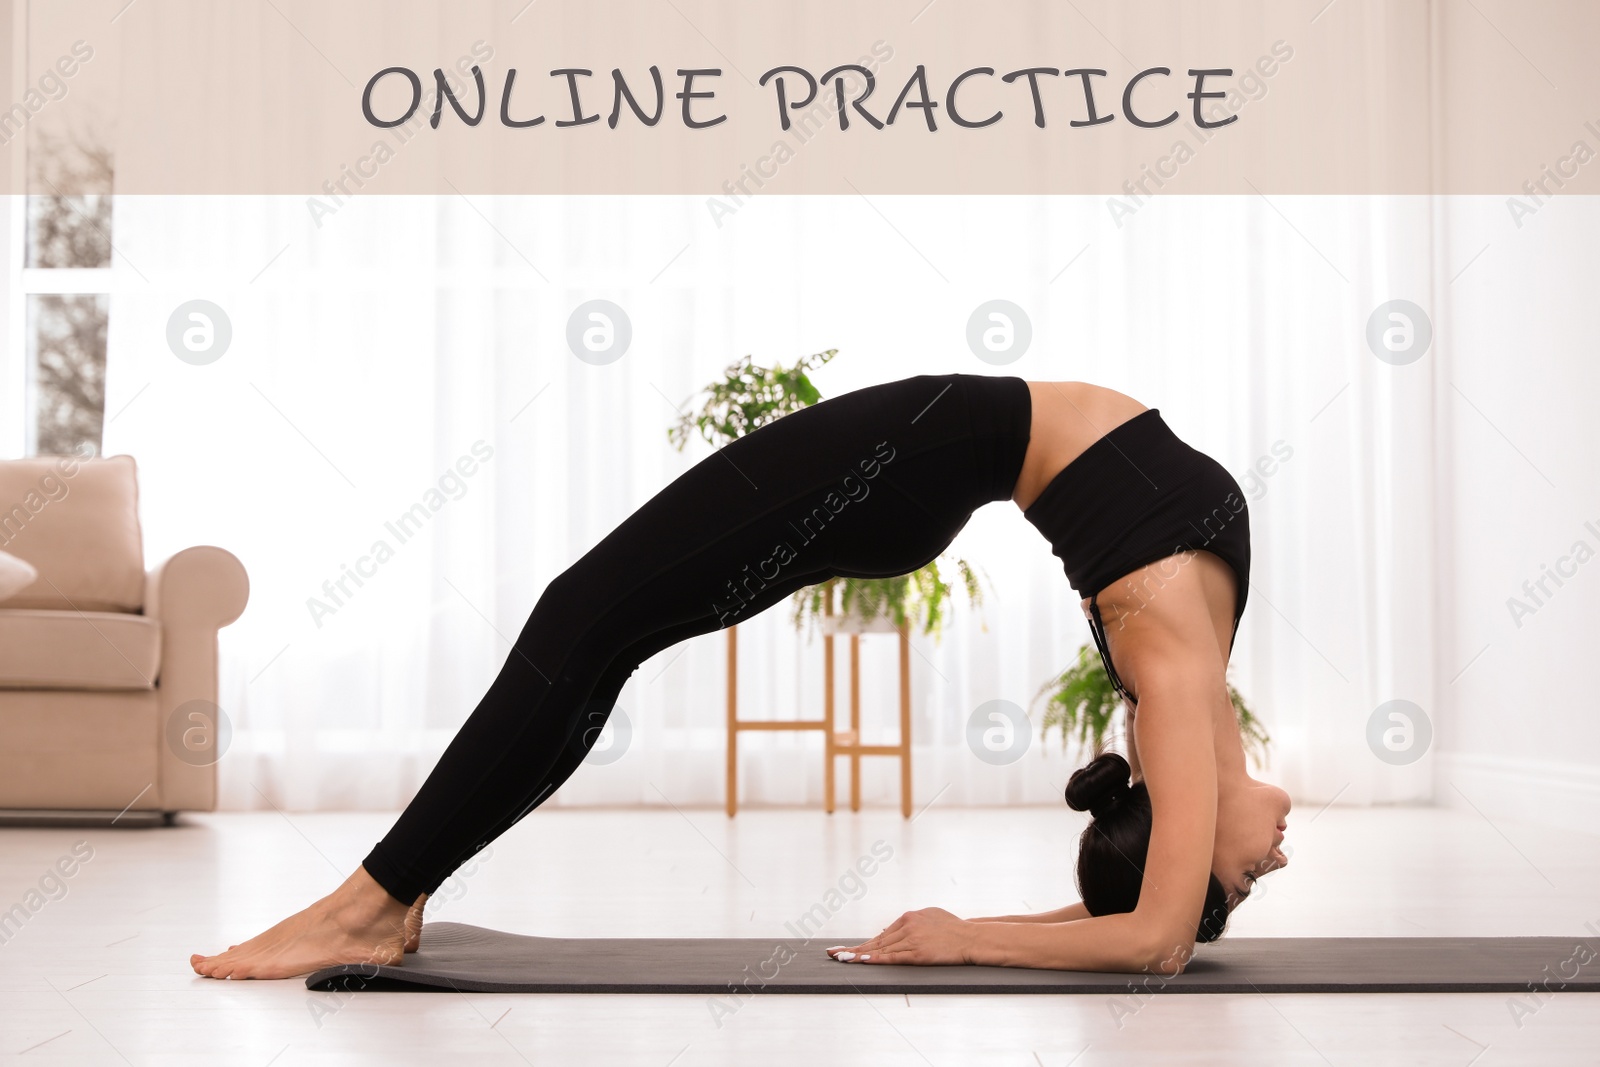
pixel 835 743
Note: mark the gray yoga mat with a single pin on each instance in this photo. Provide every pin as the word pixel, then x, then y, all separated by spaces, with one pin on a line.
pixel 457 957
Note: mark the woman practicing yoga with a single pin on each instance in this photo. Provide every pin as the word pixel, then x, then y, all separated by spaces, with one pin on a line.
pixel 875 483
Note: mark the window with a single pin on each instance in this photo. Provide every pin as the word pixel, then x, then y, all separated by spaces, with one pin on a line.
pixel 66 289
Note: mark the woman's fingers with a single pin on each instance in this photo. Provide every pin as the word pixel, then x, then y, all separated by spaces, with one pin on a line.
pixel 894 929
pixel 901 948
pixel 884 937
pixel 901 953
pixel 849 953
pixel 896 939
pixel 894 935
pixel 929 936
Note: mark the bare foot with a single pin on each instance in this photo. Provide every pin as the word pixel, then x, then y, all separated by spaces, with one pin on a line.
pixel 357 923
pixel 414 923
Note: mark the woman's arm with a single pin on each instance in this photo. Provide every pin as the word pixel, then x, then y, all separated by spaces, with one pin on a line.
pixel 1122 942
pixel 1176 723
pixel 1176 727
pixel 1059 915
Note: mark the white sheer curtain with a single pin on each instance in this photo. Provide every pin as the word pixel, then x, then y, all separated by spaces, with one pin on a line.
pixel 372 351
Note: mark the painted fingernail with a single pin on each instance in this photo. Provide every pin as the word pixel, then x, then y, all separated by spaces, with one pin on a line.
pixel 845 957
pixel 865 958
pixel 835 948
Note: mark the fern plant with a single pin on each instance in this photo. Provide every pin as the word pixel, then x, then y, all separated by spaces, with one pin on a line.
pixel 1081 701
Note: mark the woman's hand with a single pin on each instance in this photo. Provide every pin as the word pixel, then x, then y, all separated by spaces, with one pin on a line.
pixel 928 936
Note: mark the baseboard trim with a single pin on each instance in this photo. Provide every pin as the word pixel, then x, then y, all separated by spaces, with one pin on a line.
pixel 1563 795
pixel 85 817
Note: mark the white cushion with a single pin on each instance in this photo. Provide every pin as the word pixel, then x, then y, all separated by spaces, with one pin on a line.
pixel 15 574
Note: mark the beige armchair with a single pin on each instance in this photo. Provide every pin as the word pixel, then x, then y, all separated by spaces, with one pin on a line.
pixel 108 674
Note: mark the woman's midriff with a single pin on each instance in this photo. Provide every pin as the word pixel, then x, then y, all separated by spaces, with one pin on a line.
pixel 1068 417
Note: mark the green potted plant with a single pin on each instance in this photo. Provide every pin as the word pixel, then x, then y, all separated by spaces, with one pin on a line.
pixel 874 605
pixel 1081 701
pixel 748 397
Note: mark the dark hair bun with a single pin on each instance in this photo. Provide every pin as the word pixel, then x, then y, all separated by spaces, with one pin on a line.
pixel 1097 786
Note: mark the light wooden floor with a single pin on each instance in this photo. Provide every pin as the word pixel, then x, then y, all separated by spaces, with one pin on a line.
pixel 99 975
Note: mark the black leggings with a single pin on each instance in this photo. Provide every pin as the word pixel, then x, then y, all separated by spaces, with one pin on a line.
pixel 867 484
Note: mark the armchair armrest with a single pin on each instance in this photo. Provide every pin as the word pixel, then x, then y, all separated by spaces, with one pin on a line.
pixel 193 594
pixel 199 586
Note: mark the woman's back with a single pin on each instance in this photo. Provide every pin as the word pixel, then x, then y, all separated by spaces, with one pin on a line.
pixel 1068 417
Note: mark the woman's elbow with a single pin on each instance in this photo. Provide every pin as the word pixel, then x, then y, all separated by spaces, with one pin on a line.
pixel 1166 953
